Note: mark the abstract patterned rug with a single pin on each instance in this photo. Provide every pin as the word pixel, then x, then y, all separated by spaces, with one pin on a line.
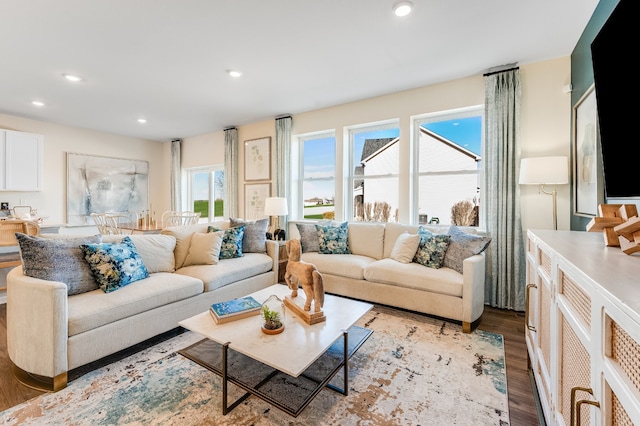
pixel 413 370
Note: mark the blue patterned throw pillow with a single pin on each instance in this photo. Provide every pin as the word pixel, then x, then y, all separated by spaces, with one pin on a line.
pixel 333 239
pixel 114 265
pixel 432 248
pixel 231 242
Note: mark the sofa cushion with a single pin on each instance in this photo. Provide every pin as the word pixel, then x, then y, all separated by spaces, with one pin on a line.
pixel 228 271
pixel 231 242
pixel 255 234
pixel 405 247
pixel 94 309
pixel 333 239
pixel 58 259
pixel 412 275
pixel 432 248
pixel 343 265
pixel 155 250
pixel 183 234
pixel 114 265
pixel 366 239
pixel 463 245
pixel 204 249
pixel 309 235
pixel 393 230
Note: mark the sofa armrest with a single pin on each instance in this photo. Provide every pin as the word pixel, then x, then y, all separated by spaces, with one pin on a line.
pixel 273 250
pixel 37 324
pixel 473 274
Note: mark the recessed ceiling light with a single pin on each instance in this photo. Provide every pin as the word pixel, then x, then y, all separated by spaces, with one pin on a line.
pixel 402 8
pixel 37 103
pixel 234 73
pixel 142 120
pixel 72 77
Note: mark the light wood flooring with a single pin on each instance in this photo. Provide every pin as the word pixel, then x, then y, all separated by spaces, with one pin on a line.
pixel 522 408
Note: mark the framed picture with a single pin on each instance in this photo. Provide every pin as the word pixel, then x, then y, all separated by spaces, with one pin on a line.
pixel 585 155
pixel 254 196
pixel 257 159
pixel 104 184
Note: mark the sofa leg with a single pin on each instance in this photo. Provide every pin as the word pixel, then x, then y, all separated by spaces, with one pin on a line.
pixel 60 381
pixel 466 327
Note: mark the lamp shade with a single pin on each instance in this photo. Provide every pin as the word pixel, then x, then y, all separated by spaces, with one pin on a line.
pixel 544 171
pixel 275 206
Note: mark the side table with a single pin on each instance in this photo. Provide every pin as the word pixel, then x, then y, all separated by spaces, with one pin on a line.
pixel 283 256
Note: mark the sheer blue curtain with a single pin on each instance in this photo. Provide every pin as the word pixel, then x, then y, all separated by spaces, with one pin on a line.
pixel 505 282
pixel 231 172
pixel 283 160
pixel 176 175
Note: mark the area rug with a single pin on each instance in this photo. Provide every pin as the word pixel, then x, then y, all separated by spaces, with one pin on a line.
pixel 413 370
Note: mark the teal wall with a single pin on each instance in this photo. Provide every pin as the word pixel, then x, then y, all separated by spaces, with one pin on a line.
pixel 582 79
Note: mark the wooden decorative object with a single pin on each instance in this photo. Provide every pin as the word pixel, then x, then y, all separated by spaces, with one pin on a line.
pixel 611 215
pixel 296 304
pixel 620 226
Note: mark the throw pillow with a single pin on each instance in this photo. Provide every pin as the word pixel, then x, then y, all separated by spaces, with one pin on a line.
pixel 462 246
pixel 333 239
pixel 405 247
pixel 114 265
pixel 255 234
pixel 58 260
pixel 231 242
pixel 204 248
pixel 432 248
pixel 309 235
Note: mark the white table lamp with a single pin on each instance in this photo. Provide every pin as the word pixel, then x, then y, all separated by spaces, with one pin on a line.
pixel 545 171
pixel 275 207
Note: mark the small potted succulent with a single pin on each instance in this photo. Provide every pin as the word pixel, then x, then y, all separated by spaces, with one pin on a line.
pixel 271 316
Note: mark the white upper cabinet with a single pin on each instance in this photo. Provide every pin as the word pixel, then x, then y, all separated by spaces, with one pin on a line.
pixel 21 161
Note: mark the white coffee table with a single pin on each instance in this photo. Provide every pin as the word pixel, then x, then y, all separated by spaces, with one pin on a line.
pixel 305 356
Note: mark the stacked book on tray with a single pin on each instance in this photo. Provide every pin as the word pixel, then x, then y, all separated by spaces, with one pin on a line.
pixel 234 309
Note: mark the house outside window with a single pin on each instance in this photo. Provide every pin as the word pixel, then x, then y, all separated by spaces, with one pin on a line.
pixel 374 153
pixel 318 172
pixel 206 192
pixel 449 168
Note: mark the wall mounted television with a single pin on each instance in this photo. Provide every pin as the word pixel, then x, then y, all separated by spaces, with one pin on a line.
pixel 614 83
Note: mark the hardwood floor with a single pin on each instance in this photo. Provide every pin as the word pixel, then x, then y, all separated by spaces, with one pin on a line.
pixel 510 324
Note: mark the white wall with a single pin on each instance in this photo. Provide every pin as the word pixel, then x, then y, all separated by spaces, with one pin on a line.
pixel 58 140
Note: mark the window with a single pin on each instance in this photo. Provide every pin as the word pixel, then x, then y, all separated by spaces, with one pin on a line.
pixel 206 192
pixel 318 160
pixel 448 153
pixel 373 172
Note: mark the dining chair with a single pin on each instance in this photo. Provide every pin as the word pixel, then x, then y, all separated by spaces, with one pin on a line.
pixel 174 218
pixel 19 212
pixel 121 223
pixel 100 220
pixel 8 229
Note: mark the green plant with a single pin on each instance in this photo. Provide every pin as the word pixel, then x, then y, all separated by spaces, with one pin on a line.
pixel 271 318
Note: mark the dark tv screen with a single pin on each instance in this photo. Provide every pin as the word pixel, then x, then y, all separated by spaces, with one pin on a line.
pixel 612 52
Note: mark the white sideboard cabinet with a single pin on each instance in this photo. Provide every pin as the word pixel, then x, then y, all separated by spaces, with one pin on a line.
pixel 21 161
pixel 583 328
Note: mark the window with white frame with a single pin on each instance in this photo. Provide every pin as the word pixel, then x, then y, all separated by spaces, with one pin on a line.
pixel 206 192
pixel 373 173
pixel 448 149
pixel 318 175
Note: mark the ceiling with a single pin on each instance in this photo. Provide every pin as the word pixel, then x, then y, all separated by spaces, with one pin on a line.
pixel 166 60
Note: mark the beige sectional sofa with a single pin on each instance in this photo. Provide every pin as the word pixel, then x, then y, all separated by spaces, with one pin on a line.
pixel 369 273
pixel 50 332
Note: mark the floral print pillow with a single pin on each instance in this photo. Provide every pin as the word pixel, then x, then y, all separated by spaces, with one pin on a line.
pixel 231 242
pixel 333 239
pixel 114 265
pixel 432 248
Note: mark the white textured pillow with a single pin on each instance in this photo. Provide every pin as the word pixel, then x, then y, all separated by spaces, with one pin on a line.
pixel 405 247
pixel 204 248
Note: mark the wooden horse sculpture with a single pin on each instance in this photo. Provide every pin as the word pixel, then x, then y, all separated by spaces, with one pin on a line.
pixel 304 274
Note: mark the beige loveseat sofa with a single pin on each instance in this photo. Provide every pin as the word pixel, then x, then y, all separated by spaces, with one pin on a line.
pixel 50 332
pixel 369 273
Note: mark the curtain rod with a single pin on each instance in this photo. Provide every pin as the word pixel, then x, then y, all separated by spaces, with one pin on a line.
pixel 499 71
